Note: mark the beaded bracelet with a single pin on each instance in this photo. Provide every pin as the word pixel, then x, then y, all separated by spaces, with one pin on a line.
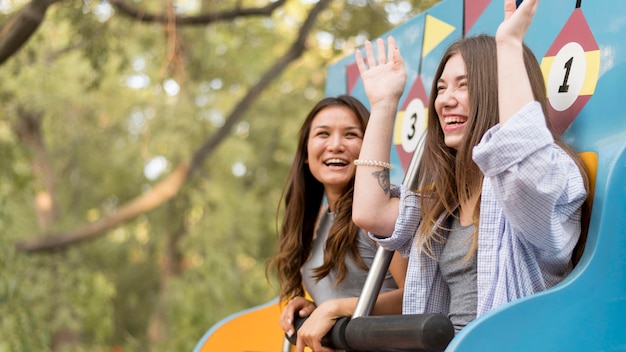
pixel 383 164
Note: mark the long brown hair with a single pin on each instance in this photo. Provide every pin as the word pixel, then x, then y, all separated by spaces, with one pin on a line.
pixel 449 177
pixel 303 196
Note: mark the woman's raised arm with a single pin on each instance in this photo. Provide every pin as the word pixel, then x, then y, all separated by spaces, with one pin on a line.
pixel 514 90
pixel 384 79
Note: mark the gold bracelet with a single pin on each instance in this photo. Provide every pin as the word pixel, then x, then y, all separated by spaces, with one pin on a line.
pixel 383 164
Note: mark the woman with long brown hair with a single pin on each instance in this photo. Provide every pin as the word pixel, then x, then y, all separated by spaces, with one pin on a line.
pixel 499 202
pixel 321 251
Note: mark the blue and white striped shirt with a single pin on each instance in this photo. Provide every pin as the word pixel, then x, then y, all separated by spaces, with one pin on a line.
pixel 530 219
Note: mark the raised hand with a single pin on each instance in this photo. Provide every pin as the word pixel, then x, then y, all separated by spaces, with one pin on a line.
pixel 516 20
pixel 511 68
pixel 383 78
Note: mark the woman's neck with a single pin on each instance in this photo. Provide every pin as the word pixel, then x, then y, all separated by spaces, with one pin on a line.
pixel 466 210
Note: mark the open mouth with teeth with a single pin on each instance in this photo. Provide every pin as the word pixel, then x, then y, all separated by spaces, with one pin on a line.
pixel 454 122
pixel 336 162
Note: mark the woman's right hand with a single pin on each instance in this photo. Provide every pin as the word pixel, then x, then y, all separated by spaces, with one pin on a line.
pixel 298 304
pixel 383 78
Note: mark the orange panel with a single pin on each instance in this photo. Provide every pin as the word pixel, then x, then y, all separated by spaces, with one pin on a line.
pixel 252 330
pixel 591 162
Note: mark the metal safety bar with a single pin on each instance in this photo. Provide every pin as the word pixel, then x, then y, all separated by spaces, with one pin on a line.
pixel 415 332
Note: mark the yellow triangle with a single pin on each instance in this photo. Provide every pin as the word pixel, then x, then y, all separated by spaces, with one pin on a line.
pixel 435 31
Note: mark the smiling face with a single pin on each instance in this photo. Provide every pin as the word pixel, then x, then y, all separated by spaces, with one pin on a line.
pixel 452 101
pixel 334 142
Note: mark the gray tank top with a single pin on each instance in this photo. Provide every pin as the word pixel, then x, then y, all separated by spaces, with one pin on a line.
pixel 352 284
pixel 460 275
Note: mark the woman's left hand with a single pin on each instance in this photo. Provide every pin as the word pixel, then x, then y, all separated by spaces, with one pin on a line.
pixel 516 20
pixel 297 305
pixel 317 325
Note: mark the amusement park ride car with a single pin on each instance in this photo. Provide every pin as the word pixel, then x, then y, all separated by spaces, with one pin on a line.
pixel 581 47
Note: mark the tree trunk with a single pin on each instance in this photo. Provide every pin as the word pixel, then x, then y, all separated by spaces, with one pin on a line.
pixel 28 130
pixel 170 268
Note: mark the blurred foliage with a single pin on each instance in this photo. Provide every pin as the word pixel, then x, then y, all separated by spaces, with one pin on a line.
pixel 113 100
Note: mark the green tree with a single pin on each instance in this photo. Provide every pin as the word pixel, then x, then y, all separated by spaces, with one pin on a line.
pixel 144 150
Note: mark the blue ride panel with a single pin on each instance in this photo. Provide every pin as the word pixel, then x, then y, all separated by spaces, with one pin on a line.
pixel 585 312
pixel 580 46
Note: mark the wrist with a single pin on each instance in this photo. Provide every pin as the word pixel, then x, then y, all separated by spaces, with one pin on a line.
pixel 386 102
pixel 385 106
pixel 509 43
pixel 341 307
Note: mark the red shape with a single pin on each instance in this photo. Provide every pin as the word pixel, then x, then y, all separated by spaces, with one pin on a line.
pixel 352 76
pixel 562 119
pixel 577 30
pixel 417 91
pixel 473 10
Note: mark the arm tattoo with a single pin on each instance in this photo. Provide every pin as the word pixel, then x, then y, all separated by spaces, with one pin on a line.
pixel 383 180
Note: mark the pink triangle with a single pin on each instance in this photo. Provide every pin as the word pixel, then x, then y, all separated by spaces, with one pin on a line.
pixel 473 10
pixel 352 76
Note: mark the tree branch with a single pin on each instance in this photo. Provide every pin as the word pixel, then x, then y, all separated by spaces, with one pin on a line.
pixel 16 32
pixel 169 187
pixel 202 19
pixel 162 192
pixel 294 52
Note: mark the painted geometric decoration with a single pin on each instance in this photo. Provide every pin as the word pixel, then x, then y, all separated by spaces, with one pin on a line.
pixel 435 31
pixel 411 120
pixel 352 76
pixel 411 123
pixel 571 68
pixel 473 10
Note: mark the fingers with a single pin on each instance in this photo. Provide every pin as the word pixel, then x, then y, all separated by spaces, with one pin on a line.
pixel 392 53
pixel 360 61
pixel 314 329
pixel 369 53
pixel 509 8
pixel 300 345
pixel 313 341
pixel 527 8
pixel 382 58
pixel 286 320
pixel 297 304
pixel 392 49
pixel 516 21
pixel 306 311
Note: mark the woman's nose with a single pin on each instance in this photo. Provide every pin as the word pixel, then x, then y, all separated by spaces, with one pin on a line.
pixel 336 143
pixel 447 98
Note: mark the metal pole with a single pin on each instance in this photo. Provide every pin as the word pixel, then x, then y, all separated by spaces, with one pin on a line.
pixel 286 345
